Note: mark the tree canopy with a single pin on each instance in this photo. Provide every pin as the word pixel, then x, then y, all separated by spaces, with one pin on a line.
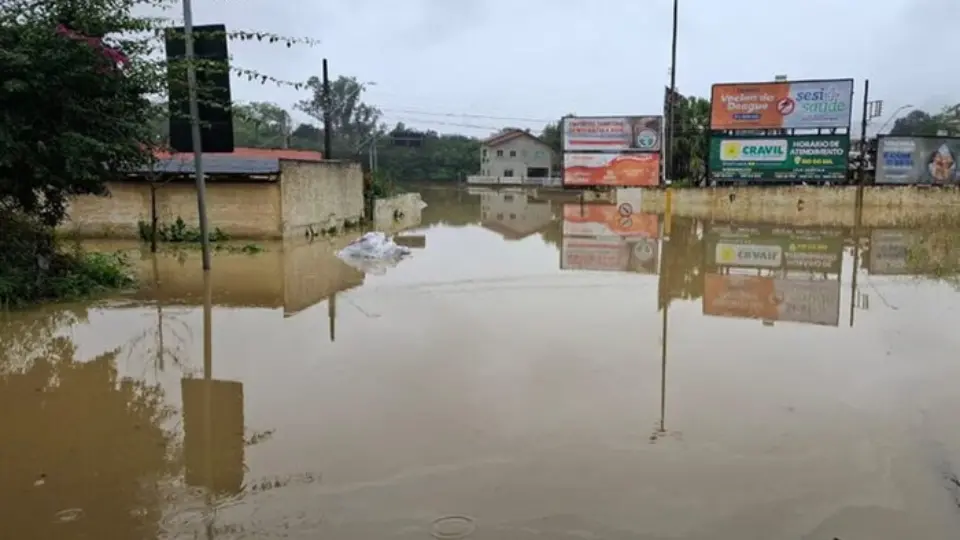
pixel 918 122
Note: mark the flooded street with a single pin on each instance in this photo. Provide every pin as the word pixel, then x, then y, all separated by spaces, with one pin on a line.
pixel 537 369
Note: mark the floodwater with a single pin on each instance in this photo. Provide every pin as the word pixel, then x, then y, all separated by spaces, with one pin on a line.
pixel 537 369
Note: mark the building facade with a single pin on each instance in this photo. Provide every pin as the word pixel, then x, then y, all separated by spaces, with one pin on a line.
pixel 516 154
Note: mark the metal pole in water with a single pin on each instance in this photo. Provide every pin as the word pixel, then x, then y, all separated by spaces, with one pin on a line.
pixel 195 132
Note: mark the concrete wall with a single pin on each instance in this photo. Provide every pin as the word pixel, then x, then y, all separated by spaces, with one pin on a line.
pixel 410 205
pixel 311 196
pixel 241 209
pixel 809 204
pixel 318 196
pixel 292 275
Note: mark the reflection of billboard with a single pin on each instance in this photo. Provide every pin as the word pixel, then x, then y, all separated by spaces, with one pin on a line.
pixel 775 248
pixel 608 220
pixel 213 439
pixel 918 160
pixel 801 157
pixel 626 170
pixel 612 134
pixel 609 254
pixel 772 299
pixel 912 252
pixel 777 105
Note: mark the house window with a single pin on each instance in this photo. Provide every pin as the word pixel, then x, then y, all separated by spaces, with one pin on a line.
pixel 499 153
pixel 508 172
pixel 484 153
pixel 539 153
pixel 499 217
pixel 513 153
pixel 513 216
pixel 508 198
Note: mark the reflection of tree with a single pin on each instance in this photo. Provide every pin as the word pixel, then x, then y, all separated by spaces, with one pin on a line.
pixel 453 207
pixel 163 340
pixel 76 436
pixel 936 255
pixel 553 233
pixel 681 267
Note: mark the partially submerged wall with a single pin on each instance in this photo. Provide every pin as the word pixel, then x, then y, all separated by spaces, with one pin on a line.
pixel 394 214
pixel 241 209
pixel 320 196
pixel 808 204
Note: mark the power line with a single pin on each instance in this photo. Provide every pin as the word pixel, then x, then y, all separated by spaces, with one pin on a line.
pixel 441 123
pixel 467 115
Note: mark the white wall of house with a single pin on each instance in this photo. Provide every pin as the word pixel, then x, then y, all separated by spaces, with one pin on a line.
pixel 513 157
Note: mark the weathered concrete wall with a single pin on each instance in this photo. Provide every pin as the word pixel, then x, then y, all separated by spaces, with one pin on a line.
pixel 319 196
pixel 312 272
pixel 291 275
pixel 808 205
pixel 394 214
pixel 240 209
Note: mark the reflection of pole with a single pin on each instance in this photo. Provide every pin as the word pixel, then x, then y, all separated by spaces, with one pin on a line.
pixel 332 316
pixel 857 219
pixel 156 292
pixel 663 369
pixel 208 397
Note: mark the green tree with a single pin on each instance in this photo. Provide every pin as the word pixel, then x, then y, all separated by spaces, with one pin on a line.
pixel 920 123
pixel 260 124
pixel 691 141
pixel 73 114
pixel 352 121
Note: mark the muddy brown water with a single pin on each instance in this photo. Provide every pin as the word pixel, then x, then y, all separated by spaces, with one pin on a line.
pixel 535 370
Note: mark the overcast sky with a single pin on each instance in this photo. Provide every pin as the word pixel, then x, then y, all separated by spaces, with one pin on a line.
pixel 435 60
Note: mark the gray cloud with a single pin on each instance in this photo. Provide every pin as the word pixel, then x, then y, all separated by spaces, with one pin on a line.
pixel 543 58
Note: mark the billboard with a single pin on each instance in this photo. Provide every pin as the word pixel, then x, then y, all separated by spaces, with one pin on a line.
pixel 812 250
pixel 612 134
pixel 800 157
pixel 625 170
pixel 772 299
pixel 610 254
pixel 918 160
pixel 782 105
pixel 607 220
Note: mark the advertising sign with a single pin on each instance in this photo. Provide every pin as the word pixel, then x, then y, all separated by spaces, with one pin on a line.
pixel 801 157
pixel 918 160
pixel 772 299
pixel 612 134
pixel 775 247
pixel 624 170
pixel 782 105
pixel 608 220
pixel 609 254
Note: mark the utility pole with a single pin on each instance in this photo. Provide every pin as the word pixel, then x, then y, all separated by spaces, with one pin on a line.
pixel 862 166
pixel 195 133
pixel 668 162
pixel 327 120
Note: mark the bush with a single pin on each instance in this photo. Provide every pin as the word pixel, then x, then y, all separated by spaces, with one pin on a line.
pixel 33 268
pixel 179 232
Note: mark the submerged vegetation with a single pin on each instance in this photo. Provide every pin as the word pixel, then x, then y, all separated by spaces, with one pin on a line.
pixel 180 234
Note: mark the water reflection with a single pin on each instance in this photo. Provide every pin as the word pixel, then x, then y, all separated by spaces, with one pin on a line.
pixel 497 375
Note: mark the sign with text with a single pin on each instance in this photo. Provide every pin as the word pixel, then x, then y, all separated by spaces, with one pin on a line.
pixel 608 220
pixel 623 170
pixel 918 160
pixel 612 134
pixel 782 105
pixel 801 157
pixel 772 299
pixel 609 254
pixel 818 251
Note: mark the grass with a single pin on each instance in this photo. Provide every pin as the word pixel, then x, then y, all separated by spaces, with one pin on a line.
pixel 180 233
pixel 66 276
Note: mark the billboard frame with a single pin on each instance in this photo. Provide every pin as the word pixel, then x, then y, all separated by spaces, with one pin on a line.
pixel 563 152
pixel 788 82
pixel 876 165
pixel 773 181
